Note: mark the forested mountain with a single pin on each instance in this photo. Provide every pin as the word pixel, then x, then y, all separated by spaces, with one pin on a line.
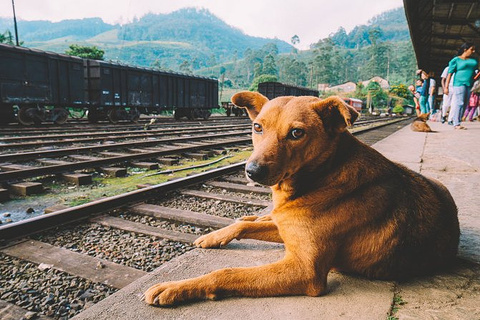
pixel 380 48
pixel 388 26
pixel 35 31
pixel 198 27
pixel 190 35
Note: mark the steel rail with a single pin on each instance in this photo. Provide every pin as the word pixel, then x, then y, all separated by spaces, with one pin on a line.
pixel 61 168
pixel 140 132
pixel 109 137
pixel 107 126
pixel 104 147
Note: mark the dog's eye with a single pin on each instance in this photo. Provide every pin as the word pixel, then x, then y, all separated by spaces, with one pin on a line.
pixel 296 134
pixel 257 128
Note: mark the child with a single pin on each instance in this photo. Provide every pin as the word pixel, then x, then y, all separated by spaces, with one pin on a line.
pixel 473 103
pixel 416 97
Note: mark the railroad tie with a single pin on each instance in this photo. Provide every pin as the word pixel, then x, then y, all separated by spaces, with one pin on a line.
pixel 85 266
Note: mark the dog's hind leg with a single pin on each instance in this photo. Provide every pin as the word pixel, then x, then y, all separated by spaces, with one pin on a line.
pixel 259 230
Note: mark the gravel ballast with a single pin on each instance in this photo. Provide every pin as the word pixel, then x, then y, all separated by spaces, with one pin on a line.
pixel 127 248
pixel 47 291
pixel 208 206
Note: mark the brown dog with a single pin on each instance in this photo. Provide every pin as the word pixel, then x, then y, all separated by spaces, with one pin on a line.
pixel 337 204
pixel 420 123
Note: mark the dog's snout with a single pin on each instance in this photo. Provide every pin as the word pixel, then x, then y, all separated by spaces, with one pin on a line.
pixel 256 172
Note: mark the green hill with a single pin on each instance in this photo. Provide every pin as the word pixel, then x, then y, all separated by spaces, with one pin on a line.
pixel 166 40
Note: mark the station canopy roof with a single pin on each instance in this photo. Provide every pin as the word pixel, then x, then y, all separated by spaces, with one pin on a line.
pixel 439 27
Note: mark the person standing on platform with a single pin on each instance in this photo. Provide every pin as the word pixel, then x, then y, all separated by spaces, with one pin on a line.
pixel 424 91
pixel 431 93
pixel 464 68
pixel 416 97
pixel 447 98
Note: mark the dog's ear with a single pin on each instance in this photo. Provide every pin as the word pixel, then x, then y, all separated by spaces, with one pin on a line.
pixel 252 101
pixel 336 114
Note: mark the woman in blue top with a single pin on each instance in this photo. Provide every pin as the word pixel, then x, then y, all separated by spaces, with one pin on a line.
pixel 464 68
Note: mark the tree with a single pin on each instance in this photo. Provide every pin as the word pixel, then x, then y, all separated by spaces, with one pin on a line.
pixel 326 59
pixel 185 67
pixel 260 79
pixel 292 71
pixel 85 52
pixel 378 96
pixel 340 37
pixel 269 65
pixel 7 38
pixel 295 39
pixel 400 90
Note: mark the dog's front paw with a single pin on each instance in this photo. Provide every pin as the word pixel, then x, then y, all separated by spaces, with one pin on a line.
pixel 215 239
pixel 162 294
pixel 171 293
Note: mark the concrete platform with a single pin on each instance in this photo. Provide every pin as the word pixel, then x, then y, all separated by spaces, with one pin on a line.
pixel 452 156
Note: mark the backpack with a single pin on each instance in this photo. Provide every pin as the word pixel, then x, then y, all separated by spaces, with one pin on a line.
pixel 473 101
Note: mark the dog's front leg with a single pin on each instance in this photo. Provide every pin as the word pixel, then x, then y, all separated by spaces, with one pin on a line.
pixel 285 277
pixel 259 230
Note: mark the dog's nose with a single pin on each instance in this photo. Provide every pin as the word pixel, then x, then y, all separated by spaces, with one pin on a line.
pixel 256 172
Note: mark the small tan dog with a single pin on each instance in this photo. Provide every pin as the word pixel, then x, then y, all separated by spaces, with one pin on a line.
pixel 337 203
pixel 420 123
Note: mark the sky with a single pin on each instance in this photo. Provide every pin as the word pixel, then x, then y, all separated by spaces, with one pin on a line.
pixel 311 20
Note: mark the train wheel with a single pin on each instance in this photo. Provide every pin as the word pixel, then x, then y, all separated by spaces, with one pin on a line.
pixel 113 116
pixel 206 114
pixel 92 116
pixel 135 118
pixel 229 112
pixel 134 115
pixel 60 115
pixel 190 114
pixel 26 116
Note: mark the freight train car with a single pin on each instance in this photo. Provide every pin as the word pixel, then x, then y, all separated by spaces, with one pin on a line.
pixel 276 89
pixel 38 86
pixel 120 92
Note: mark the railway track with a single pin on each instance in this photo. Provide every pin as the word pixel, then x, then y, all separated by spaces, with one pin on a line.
pixel 58 264
pixel 103 150
pixel 84 126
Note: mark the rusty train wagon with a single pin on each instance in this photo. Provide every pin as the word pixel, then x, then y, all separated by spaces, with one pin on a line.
pixel 117 92
pixel 276 89
pixel 38 86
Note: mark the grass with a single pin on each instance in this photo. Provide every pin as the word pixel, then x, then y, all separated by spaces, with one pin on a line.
pixel 104 186
pixel 396 303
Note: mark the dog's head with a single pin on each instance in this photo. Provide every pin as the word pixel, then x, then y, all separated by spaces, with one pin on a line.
pixel 291 133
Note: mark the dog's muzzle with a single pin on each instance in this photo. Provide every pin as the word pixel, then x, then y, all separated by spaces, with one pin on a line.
pixel 256 172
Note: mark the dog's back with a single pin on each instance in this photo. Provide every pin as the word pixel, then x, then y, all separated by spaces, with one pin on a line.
pixel 418 231
pixel 420 123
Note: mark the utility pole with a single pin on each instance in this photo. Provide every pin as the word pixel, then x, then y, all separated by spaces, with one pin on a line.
pixel 15 23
